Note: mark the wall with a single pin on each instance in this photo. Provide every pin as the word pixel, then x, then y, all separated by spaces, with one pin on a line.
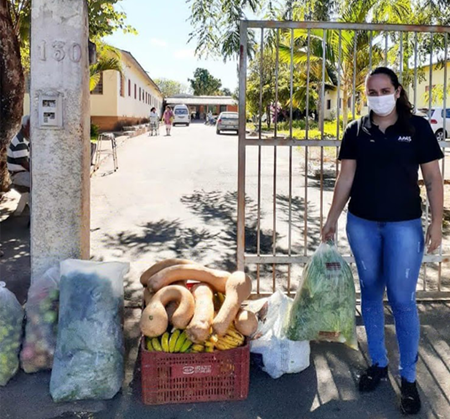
pixel 106 104
pixel 422 86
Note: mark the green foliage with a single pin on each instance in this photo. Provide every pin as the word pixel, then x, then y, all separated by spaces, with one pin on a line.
pixel 204 83
pixel 95 131
pixel 108 59
pixel 226 92
pixel 170 88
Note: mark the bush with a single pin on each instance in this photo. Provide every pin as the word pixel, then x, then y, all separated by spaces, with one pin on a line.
pixel 95 130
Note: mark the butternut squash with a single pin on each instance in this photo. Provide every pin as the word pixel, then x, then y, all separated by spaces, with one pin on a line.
pixel 162 265
pixel 246 322
pixel 213 277
pixel 147 296
pixel 154 320
pixel 238 288
pixel 198 329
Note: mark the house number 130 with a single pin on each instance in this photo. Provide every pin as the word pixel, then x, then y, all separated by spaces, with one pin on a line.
pixel 58 51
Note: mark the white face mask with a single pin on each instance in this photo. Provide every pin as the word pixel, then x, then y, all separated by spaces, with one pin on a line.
pixel 382 105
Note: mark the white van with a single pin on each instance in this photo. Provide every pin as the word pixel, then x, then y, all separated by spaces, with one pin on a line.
pixel 181 115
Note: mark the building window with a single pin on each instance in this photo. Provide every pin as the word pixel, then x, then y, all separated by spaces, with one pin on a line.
pixel 135 91
pixel 122 85
pixel 328 104
pixel 129 87
pixel 99 88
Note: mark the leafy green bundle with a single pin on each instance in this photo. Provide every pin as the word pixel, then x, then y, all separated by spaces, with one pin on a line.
pixel 324 306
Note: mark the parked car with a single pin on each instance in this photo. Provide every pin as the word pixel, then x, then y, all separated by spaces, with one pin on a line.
pixel 181 115
pixel 436 118
pixel 227 121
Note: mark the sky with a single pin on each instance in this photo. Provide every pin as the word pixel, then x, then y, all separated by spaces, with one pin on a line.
pixel 161 44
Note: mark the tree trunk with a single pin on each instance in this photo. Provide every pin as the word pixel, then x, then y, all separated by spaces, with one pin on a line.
pixel 344 107
pixel 12 88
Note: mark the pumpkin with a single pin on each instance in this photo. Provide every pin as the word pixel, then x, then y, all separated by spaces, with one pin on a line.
pixel 154 320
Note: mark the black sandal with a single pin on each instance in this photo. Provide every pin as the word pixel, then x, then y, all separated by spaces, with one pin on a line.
pixel 371 379
pixel 410 400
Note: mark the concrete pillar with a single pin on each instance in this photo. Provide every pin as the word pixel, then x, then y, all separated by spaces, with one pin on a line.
pixel 60 129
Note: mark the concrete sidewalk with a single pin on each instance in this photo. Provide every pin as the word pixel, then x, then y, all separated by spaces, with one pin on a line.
pixel 121 202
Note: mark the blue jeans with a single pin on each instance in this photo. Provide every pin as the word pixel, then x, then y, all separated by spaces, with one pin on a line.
pixel 388 256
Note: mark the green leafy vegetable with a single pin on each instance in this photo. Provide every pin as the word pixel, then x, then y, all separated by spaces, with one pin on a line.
pixel 324 306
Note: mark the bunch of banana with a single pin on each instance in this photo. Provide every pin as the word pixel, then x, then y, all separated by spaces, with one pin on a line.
pixel 174 342
pixel 219 298
pixel 232 339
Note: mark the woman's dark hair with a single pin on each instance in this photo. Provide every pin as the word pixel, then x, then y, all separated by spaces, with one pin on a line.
pixel 153 109
pixel 403 106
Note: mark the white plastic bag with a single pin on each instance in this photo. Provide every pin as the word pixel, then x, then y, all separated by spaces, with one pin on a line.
pixel 278 354
pixel 11 322
pixel 88 361
pixel 42 322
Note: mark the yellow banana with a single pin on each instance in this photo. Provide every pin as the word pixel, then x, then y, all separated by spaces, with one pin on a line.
pixel 234 342
pixel 213 339
pixel 236 335
pixel 165 342
pixel 209 344
pixel 173 340
pixel 156 345
pixel 187 344
pixel 148 345
pixel 221 297
pixel 209 349
pixel 223 346
pixel 180 341
pixel 197 347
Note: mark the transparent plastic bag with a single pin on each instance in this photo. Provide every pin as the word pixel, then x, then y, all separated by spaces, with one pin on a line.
pixel 42 322
pixel 324 306
pixel 11 322
pixel 88 361
pixel 277 354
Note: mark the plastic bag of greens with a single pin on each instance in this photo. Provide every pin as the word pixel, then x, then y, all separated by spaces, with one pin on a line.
pixel 11 321
pixel 88 361
pixel 324 306
pixel 42 322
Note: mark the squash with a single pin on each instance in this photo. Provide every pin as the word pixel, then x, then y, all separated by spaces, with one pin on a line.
pixel 162 265
pixel 199 328
pixel 154 320
pixel 238 289
pixel 213 277
pixel 147 296
pixel 246 322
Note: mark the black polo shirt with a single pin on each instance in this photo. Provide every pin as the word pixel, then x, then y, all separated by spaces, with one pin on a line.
pixel 385 187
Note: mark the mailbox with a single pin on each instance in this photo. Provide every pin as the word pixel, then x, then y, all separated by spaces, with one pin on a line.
pixel 50 110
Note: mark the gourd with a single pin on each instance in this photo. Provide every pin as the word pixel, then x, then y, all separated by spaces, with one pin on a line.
pixel 160 266
pixel 154 320
pixel 213 277
pixel 171 306
pixel 198 329
pixel 246 322
pixel 238 288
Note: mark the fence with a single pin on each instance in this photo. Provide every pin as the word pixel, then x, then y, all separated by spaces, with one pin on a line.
pixel 319 61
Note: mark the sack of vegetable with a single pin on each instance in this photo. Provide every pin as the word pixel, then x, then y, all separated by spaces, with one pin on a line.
pixel 42 322
pixel 324 306
pixel 88 361
pixel 11 321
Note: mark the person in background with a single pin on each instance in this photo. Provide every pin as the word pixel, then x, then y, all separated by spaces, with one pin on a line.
pixel 168 119
pixel 154 122
pixel 381 154
pixel 18 156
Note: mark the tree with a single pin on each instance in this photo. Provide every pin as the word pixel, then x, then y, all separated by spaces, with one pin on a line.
pixel 170 88
pixel 226 92
pixel 204 84
pixel 108 58
pixel 15 18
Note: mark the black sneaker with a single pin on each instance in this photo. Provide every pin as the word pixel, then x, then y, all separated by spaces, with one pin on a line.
pixel 371 379
pixel 410 400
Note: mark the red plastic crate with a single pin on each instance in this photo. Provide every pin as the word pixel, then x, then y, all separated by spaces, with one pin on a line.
pixel 188 378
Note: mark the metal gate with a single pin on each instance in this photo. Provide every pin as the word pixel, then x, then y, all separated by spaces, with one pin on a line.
pixel 304 165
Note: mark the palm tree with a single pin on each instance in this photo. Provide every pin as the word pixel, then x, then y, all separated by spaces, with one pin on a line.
pixel 109 58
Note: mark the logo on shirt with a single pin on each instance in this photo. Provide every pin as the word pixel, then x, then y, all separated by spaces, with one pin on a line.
pixel 405 139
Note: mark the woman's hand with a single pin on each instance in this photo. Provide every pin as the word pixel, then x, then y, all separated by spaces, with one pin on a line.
pixel 434 236
pixel 328 231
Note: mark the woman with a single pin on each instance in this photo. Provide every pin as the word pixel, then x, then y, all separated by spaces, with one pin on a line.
pixel 154 122
pixel 380 155
pixel 168 119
